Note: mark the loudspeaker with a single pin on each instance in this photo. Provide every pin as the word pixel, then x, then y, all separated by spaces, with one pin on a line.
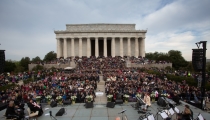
pixel 67 102
pixel 197 59
pixel 60 112
pixel 110 105
pixel 2 61
pixel 89 105
pixel 53 104
pixel 161 102
pixel 120 101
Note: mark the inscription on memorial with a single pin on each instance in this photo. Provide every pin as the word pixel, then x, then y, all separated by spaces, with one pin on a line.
pixel 100 27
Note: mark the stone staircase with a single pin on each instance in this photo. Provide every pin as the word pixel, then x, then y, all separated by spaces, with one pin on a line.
pixel 101 88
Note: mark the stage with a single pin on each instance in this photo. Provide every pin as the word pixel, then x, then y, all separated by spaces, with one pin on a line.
pixel 101 112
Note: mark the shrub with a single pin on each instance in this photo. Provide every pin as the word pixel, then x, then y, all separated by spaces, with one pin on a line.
pixel 37 67
pixel 189 80
pixel 9 86
pixel 28 81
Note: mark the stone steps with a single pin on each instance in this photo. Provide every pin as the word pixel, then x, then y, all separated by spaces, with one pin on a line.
pixel 101 88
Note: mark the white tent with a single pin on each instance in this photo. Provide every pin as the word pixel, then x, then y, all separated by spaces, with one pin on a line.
pixel 68 68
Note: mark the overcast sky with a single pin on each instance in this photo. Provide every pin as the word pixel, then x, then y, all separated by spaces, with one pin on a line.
pixel 27 26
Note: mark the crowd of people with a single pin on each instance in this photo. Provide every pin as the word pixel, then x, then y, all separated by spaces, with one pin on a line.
pixel 56 85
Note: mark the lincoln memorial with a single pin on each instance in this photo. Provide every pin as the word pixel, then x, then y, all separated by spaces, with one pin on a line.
pixel 100 40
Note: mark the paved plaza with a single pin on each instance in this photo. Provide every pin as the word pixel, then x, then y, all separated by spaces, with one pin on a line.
pixel 101 112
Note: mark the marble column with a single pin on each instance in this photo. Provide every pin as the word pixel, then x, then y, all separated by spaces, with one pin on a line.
pixel 80 47
pixel 136 47
pixel 96 47
pixel 121 47
pixel 65 51
pixel 72 47
pixel 129 47
pixel 113 47
pixel 88 47
pixel 142 48
pixel 58 48
pixel 105 47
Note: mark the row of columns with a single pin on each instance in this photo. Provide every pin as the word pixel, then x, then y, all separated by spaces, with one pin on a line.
pixel 65 49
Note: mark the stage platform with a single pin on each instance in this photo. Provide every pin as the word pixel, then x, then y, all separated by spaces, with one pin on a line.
pixel 101 112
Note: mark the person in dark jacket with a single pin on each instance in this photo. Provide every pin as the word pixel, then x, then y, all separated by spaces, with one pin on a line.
pixel 35 108
pixel 176 99
pixel 10 112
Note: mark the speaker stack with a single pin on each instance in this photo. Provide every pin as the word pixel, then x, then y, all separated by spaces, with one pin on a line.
pixel 67 102
pixel 119 101
pixel 110 104
pixel 53 104
pixel 2 61
pixel 88 105
pixel 60 112
pixel 161 102
pixel 197 59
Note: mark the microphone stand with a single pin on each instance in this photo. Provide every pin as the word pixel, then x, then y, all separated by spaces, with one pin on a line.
pixel 122 114
pixel 52 116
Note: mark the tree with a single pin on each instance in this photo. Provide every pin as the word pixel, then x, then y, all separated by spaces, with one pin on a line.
pixel 189 67
pixel 50 56
pixel 9 66
pixel 177 59
pixel 24 63
pixel 37 67
pixel 18 68
pixel 36 59
pixel 158 56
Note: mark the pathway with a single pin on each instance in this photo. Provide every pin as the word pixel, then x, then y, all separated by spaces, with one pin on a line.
pixel 101 88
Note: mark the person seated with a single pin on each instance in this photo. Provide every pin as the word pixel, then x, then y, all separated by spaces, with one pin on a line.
pixel 146 101
pixel 176 99
pixel 11 113
pixel 179 117
pixel 35 109
pixel 18 103
pixel 186 113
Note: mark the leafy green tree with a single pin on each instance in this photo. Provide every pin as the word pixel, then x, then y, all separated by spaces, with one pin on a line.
pixel 152 56
pixel 168 68
pixel 36 59
pixel 158 56
pixel 37 67
pixel 24 63
pixel 163 57
pixel 9 66
pixel 19 69
pixel 177 59
pixel 189 67
pixel 50 56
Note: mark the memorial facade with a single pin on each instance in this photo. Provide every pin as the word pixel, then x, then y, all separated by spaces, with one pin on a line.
pixel 100 40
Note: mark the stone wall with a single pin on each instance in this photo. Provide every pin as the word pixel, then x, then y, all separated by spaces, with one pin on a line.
pixel 160 66
pixel 71 64
pixel 128 64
